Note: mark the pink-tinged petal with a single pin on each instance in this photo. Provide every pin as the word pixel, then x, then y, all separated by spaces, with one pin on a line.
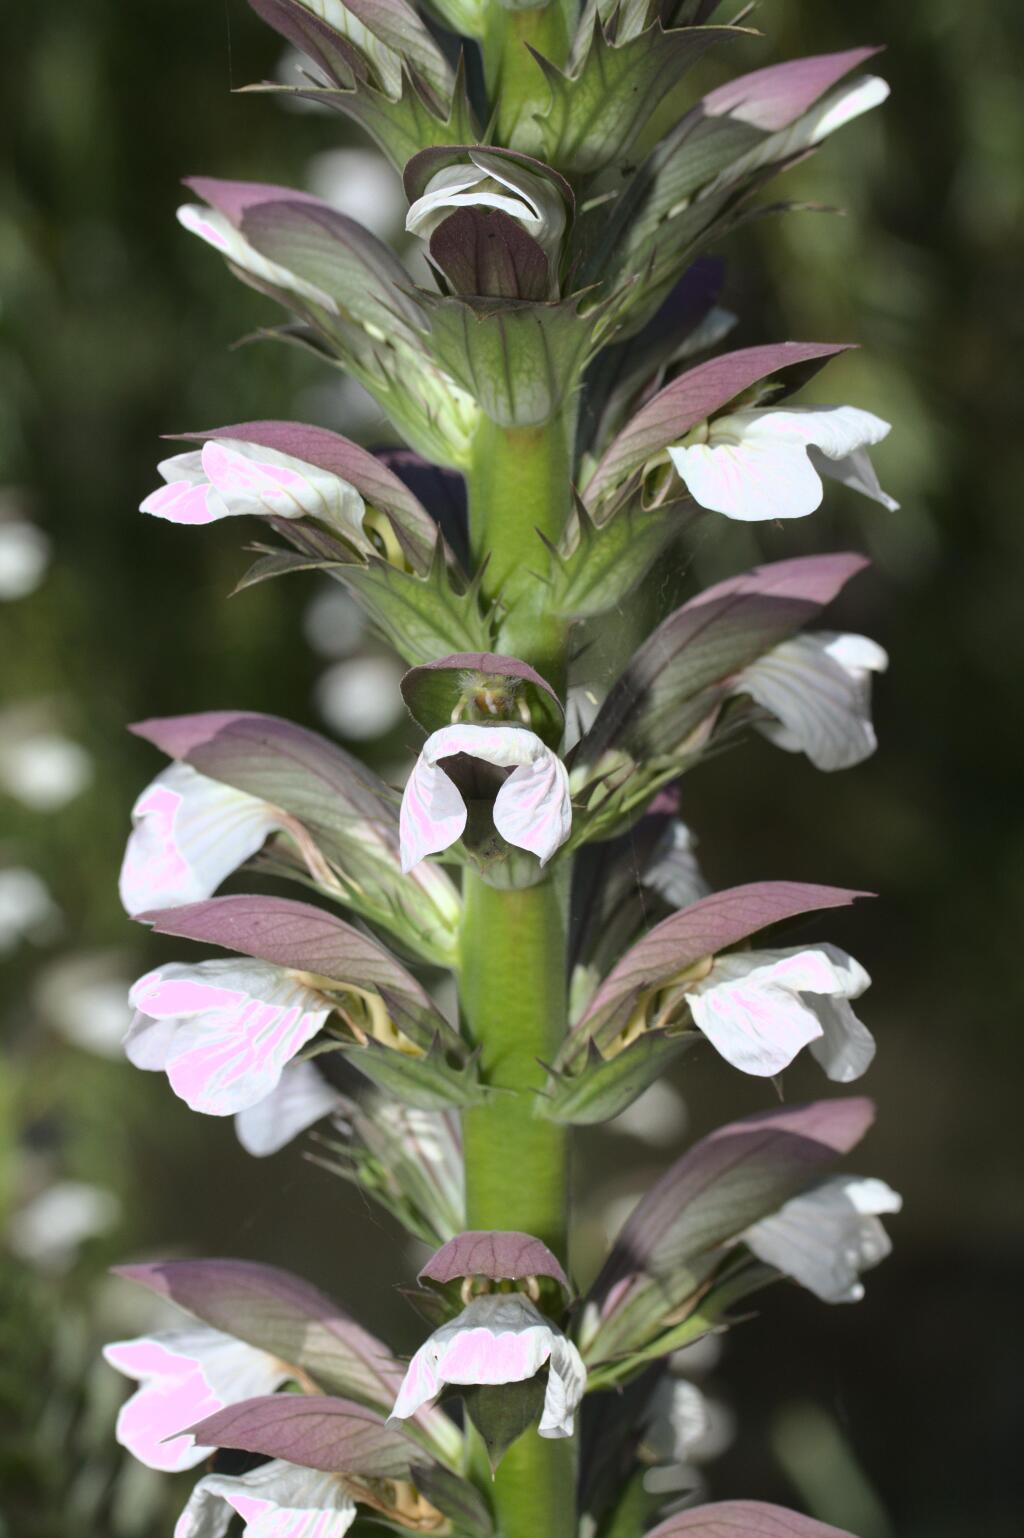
pixel 751 480
pixel 184 1376
pixel 184 503
pixel 817 686
pixel 827 1236
pixel 856 471
pixel 236 1024
pixel 261 481
pixel 189 833
pixel 277 1500
pixel 533 809
pixel 846 1048
pixel 433 814
pixel 302 1098
pixel 749 1008
pixel 500 1338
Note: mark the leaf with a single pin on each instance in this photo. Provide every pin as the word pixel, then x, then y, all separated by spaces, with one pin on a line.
pixel 307 939
pixel 418 616
pixel 315 1431
pixel 501 1255
pixel 597 113
pixel 744 1519
pixel 704 929
pixel 502 1412
pixel 608 561
pixel 694 396
pixel 518 361
pixel 680 675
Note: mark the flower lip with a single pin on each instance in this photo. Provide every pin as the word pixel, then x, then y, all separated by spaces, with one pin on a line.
pixel 497 1254
pixel 532 809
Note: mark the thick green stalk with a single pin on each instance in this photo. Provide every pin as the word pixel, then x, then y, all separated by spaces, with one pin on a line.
pixel 514 1000
pixel 519 488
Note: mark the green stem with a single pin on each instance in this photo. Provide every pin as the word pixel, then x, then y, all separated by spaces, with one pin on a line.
pixel 519 489
pixel 517 1165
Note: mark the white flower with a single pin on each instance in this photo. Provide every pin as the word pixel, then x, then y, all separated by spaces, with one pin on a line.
pixel 277 1500
pixel 826 1237
pixel 532 809
pixel 361 698
pixel 24 557
pixel 185 1375
pixel 762 462
pixel 302 1097
pixel 230 478
pixel 818 688
pixel 493 181
pixel 27 911
pixel 49 1229
pixel 501 1338
pixel 39 767
pixel 759 1008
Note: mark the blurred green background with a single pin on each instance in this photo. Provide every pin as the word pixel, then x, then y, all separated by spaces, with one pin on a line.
pixel 896 1417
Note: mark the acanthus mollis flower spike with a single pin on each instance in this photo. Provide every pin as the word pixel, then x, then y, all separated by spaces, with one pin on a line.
pixel 241 776
pixel 766 462
pixel 817 687
pixel 185 1375
pixel 827 1236
pixel 389 1028
pixel 454 196
pixel 530 808
pixel 501 1338
pixel 758 1009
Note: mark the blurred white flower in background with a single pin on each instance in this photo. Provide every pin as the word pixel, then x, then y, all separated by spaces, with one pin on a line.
pixel 24 551
pixel 50 1228
pixel 658 1117
pixel 39 766
pixel 27 911
pixel 361 184
pixel 361 698
pixel 84 997
pixel 333 623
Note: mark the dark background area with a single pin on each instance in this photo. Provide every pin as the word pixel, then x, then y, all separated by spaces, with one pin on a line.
pixel 896 1417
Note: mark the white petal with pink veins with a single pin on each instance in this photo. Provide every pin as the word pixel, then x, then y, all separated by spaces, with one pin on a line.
pixel 827 1236
pixel 302 1098
pixel 818 688
pixel 532 809
pixel 223 1031
pixel 277 1500
pixel 189 834
pixel 502 1338
pixel 766 462
pixel 184 1376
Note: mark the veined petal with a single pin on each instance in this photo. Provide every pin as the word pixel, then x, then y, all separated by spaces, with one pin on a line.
pixel 501 1338
pixel 302 1097
pixel 752 479
pixel 826 1237
pixel 751 1009
pixel 184 1376
pixel 190 832
pixel 277 1500
pixel 187 497
pixel 846 1047
pixel 856 471
pixel 532 810
pixel 217 230
pixel 818 688
pixel 222 1030
pixel 835 430
pixel 256 480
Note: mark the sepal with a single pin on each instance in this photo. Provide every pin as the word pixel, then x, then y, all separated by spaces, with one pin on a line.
pixel 431 1082
pixel 595 1088
pixel 596 566
pixel 483 687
